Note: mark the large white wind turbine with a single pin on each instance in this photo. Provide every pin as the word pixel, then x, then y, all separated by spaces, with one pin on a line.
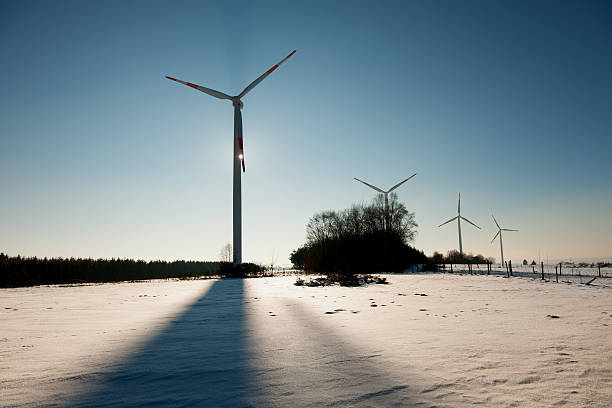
pixel 386 194
pixel 238 149
pixel 459 217
pixel 501 244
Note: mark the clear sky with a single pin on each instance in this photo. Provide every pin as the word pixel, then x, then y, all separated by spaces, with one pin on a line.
pixel 100 156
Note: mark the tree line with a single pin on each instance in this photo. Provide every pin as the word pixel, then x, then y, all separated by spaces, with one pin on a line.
pixel 19 271
pixel 455 257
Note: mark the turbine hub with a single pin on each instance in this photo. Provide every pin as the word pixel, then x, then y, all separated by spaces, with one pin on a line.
pixel 237 101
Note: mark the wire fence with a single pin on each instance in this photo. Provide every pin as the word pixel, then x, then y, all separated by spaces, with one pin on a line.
pixel 561 273
pixel 597 276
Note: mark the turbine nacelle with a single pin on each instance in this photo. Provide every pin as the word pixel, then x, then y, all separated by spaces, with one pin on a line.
pixel 237 101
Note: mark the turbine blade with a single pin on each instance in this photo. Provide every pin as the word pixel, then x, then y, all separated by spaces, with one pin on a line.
pixel 505 229
pixel 452 219
pixel 369 185
pixel 498 232
pixel 459 204
pixel 465 219
pixel 399 184
pixel 241 147
pixel 495 221
pixel 238 134
pixel 209 91
pixel 263 76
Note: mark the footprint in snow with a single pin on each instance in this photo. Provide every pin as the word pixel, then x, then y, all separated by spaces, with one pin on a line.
pixel 553 316
pixel 420 294
pixel 373 305
pixel 529 380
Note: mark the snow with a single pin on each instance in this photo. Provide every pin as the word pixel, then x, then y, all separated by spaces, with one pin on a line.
pixel 443 340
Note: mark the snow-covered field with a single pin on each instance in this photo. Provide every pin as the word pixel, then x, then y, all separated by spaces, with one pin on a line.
pixel 443 340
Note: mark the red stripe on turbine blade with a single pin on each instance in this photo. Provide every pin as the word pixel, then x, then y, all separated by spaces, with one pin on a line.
pixel 243 170
pixel 291 53
pixel 170 78
pixel 272 69
pixel 194 86
pixel 240 143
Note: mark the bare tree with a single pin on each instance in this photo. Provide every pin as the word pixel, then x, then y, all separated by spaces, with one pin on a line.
pixel 226 253
pixel 361 220
pixel 273 260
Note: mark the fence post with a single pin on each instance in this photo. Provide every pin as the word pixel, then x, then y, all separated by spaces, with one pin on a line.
pixel 556 276
pixel 488 268
pixel 451 268
pixel 560 268
pixel 542 270
pixel 599 270
pixel 510 267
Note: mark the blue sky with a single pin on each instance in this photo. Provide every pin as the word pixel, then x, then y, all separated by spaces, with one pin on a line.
pixel 507 102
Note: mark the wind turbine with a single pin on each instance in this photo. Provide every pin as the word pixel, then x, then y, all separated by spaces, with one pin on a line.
pixel 386 193
pixel 499 232
pixel 238 149
pixel 459 217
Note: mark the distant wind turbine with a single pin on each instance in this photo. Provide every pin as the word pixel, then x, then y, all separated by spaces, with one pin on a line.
pixel 386 193
pixel 501 244
pixel 238 149
pixel 459 217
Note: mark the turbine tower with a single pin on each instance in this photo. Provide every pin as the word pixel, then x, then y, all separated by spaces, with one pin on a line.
pixel 238 149
pixel 459 217
pixel 385 194
pixel 501 244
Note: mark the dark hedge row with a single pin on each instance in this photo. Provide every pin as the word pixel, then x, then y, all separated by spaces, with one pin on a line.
pixel 18 271
pixel 367 253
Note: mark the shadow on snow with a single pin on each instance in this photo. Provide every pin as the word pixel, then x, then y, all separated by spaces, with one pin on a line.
pixel 198 360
